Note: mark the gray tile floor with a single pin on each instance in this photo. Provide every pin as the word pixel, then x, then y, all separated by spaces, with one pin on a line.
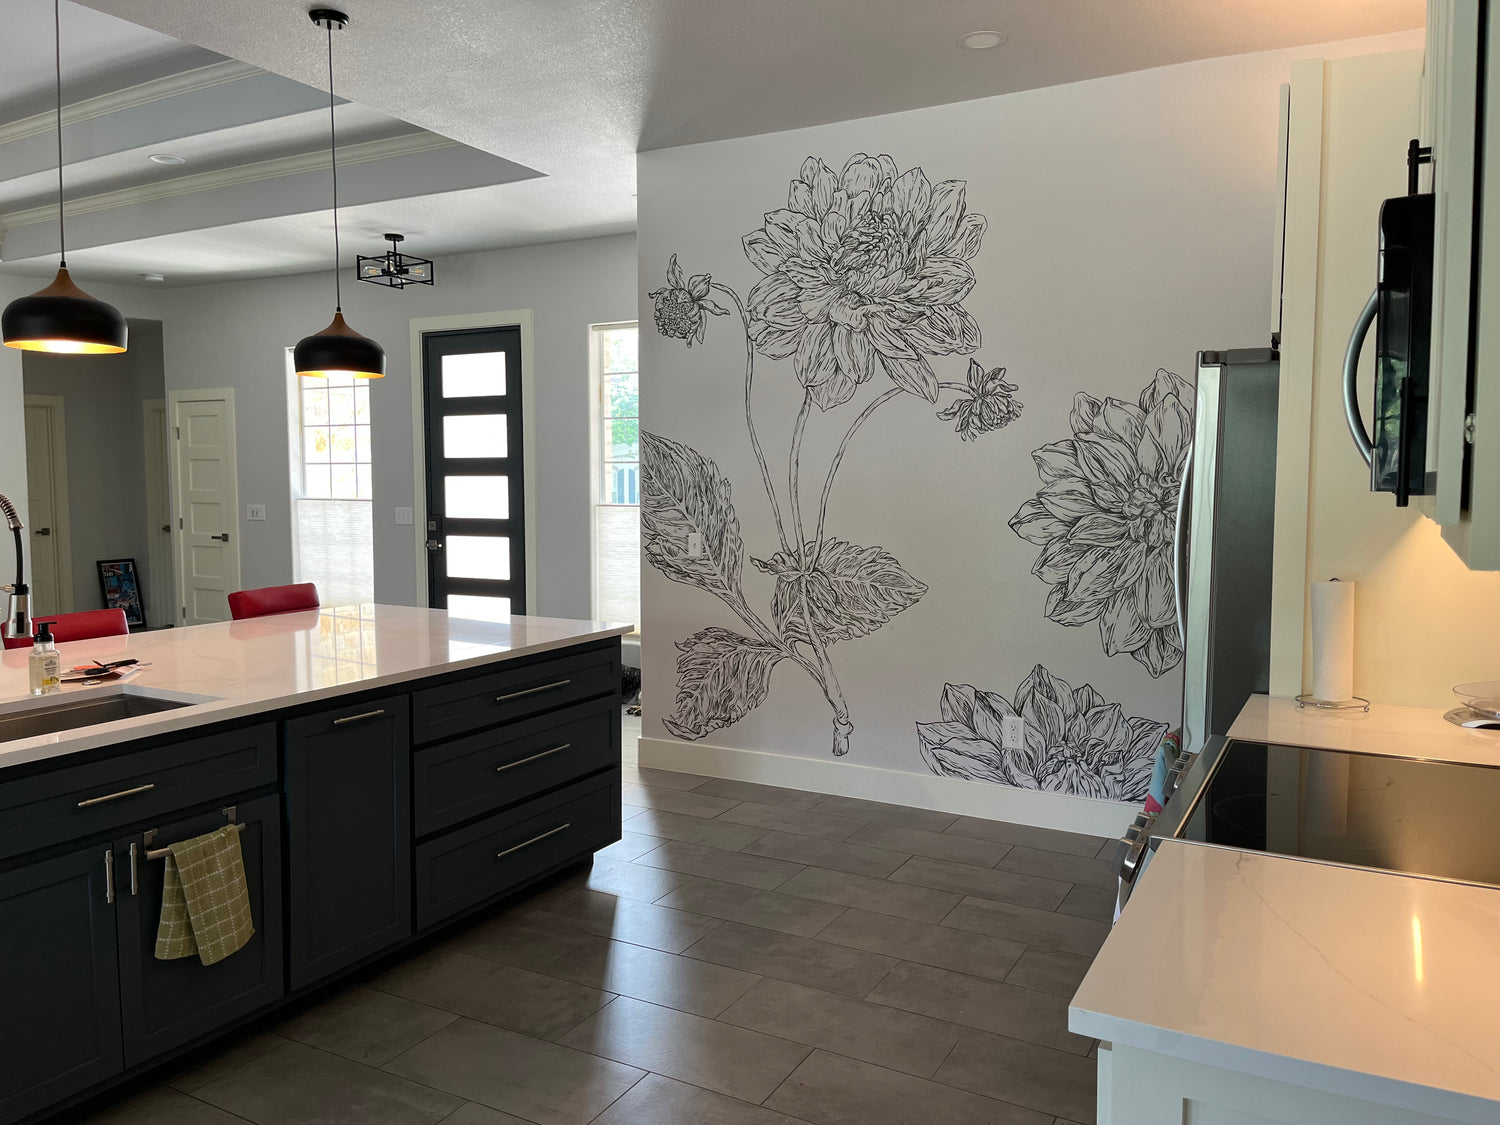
pixel 746 955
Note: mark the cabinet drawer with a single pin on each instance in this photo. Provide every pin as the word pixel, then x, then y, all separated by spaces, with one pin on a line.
pixel 472 864
pixel 484 701
pixel 78 801
pixel 471 776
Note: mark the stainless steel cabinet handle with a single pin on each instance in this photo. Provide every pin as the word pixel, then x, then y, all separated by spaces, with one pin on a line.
pixel 109 875
pixel 1351 375
pixel 534 840
pixel 134 883
pixel 531 691
pixel 116 796
pixel 375 714
pixel 534 757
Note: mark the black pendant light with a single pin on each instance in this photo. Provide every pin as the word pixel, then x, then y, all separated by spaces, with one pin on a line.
pixel 62 317
pixel 338 348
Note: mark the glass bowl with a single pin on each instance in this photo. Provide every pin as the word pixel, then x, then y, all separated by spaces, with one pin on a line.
pixel 1482 697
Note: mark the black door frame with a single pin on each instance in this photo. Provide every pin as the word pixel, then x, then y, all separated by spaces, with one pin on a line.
pixel 465 341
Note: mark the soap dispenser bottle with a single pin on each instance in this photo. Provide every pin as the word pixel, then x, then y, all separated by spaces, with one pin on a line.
pixel 45 662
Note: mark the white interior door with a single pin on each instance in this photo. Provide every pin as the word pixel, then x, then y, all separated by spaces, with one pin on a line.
pixel 47 506
pixel 203 469
pixel 161 586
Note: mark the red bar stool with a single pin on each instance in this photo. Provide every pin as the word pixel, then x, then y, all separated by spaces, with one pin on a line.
pixel 272 599
pixel 82 626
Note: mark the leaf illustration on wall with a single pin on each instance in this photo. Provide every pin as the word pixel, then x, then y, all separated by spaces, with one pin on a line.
pixel 1076 742
pixel 1104 518
pixel 688 527
pixel 721 677
pixel 849 592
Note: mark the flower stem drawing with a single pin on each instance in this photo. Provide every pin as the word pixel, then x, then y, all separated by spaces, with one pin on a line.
pixel 864 270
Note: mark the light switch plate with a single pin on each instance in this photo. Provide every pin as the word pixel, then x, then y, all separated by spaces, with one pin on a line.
pixel 403 515
pixel 1012 733
pixel 255 511
pixel 695 544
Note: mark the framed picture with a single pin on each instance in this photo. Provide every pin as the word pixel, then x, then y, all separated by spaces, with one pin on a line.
pixel 122 589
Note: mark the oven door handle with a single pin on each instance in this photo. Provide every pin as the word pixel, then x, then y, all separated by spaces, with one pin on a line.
pixel 1352 415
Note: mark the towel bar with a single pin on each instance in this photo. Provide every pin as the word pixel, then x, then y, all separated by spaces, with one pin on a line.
pixel 162 853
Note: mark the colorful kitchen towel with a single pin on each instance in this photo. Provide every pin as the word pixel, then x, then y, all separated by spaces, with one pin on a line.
pixel 1167 753
pixel 205 901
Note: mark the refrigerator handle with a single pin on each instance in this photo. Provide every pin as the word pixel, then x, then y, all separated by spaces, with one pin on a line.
pixel 1179 546
pixel 1351 375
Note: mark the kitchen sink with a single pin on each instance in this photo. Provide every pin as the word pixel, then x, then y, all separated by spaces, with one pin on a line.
pixel 32 719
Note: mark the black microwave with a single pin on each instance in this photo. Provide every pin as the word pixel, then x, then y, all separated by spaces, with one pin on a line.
pixel 1401 309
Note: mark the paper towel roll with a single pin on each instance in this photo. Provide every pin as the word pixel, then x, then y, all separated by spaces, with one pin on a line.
pixel 1333 641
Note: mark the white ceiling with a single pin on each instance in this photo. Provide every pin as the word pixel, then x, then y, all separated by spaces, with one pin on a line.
pixel 572 89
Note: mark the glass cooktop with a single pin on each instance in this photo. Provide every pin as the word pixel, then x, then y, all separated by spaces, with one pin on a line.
pixel 1415 817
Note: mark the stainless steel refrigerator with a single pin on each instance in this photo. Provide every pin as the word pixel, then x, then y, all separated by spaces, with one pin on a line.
pixel 1225 521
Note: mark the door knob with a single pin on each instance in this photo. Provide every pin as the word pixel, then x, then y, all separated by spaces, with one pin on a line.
pixel 221 538
pixel 44 531
pixel 167 528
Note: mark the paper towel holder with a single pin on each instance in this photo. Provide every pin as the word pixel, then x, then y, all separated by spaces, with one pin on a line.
pixel 1356 703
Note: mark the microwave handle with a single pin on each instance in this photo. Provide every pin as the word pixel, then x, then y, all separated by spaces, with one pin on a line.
pixel 1351 375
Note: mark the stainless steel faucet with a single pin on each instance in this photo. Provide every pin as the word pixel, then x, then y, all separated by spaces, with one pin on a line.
pixel 18 615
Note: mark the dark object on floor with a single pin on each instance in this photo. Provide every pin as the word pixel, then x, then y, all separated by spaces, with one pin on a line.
pixel 630 688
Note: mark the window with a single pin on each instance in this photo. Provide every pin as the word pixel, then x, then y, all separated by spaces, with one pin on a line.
pixel 333 543
pixel 617 513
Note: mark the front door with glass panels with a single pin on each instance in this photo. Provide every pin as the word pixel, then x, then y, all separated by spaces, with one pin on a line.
pixel 476 511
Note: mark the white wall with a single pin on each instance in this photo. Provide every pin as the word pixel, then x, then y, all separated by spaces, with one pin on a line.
pixel 235 335
pixel 1130 224
pixel 105 438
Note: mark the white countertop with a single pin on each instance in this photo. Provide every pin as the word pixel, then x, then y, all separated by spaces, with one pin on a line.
pixel 1402 732
pixel 231 669
pixel 1362 983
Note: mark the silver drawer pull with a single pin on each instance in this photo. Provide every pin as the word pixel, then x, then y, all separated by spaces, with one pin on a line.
pixel 534 840
pixel 375 714
pixel 135 883
pixel 534 757
pixel 531 691
pixel 109 875
pixel 116 796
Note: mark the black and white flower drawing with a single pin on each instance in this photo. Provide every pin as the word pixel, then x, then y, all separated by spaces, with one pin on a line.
pixel 1104 519
pixel 1076 742
pixel 864 271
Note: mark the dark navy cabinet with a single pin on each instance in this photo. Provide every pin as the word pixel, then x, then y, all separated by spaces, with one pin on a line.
pixel 59 995
pixel 348 807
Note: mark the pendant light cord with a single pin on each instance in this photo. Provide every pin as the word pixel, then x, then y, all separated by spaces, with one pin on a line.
pixel 333 155
pixel 62 234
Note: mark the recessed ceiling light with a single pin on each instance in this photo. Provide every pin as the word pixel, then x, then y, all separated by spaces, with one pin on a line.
pixel 152 277
pixel 166 158
pixel 981 40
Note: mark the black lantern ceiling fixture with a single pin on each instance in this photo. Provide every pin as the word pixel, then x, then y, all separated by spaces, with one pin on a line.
pixel 393 268
pixel 62 317
pixel 338 348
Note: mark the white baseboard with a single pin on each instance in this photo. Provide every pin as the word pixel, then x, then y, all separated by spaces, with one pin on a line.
pixel 923 791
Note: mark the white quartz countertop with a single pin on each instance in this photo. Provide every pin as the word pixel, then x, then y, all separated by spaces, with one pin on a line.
pixel 1400 732
pixel 231 669
pixel 1358 982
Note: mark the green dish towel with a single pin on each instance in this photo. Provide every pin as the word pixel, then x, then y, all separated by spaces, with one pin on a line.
pixel 205 901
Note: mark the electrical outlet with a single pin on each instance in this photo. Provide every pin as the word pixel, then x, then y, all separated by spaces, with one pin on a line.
pixel 403 515
pixel 695 545
pixel 255 511
pixel 1012 733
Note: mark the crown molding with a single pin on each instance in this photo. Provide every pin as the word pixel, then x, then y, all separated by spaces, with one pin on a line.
pixel 407 144
pixel 130 97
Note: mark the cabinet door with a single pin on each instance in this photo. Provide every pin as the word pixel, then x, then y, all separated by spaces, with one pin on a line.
pixel 59 994
pixel 167 1003
pixel 348 803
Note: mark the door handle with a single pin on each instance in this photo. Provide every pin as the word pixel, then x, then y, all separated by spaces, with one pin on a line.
pixel 109 875
pixel 134 881
pixel 434 544
pixel 44 531
pixel 116 796
pixel 360 717
pixel 1351 373
pixel 531 691
pixel 221 538
pixel 534 757
pixel 166 527
pixel 533 840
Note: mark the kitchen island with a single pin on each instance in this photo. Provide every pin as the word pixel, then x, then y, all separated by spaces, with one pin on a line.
pixel 391 769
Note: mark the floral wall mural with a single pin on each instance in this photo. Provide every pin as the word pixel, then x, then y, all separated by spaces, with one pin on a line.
pixel 914 405
pixel 864 271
